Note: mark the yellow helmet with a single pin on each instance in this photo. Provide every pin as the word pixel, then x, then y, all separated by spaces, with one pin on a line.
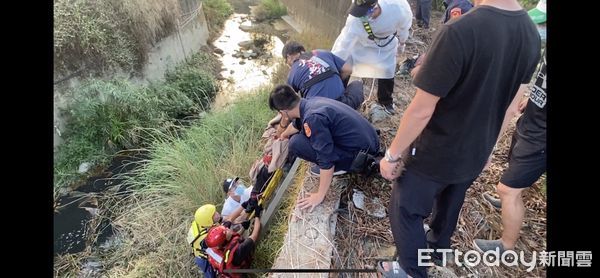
pixel 204 215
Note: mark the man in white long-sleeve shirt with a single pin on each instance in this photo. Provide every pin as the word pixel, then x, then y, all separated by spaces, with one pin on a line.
pixel 374 34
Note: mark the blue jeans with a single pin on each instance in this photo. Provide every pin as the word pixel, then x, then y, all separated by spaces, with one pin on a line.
pixel 206 268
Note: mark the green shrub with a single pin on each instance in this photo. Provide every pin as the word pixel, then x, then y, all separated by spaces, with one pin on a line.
pixel 194 83
pixel 270 9
pixel 528 4
pixel 107 116
pixel 216 12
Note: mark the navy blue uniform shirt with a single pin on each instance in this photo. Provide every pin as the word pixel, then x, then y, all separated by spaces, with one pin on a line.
pixel 302 70
pixel 331 125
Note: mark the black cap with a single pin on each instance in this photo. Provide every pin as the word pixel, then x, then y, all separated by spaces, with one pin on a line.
pixel 359 8
pixel 228 183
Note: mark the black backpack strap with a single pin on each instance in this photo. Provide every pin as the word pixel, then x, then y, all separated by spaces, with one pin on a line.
pixel 317 79
pixel 328 73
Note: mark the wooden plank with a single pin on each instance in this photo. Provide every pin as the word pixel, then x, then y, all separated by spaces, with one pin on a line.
pixel 276 201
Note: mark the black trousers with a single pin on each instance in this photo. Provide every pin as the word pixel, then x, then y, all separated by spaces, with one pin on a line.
pixel 413 198
pixel 423 11
pixel 385 88
pixel 353 95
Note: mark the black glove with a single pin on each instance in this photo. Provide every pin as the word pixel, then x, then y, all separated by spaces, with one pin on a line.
pixel 258 211
pixel 246 224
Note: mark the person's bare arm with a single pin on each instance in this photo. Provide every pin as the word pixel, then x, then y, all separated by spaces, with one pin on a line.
pixel 256 230
pixel 314 199
pixel 289 131
pixel 235 214
pixel 275 120
pixel 510 113
pixel 403 31
pixel 413 122
pixel 512 110
pixel 523 103
pixel 346 71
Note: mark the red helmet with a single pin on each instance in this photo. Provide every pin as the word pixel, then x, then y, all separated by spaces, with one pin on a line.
pixel 216 237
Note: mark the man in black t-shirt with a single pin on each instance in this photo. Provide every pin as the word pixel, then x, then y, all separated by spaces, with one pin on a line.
pixel 475 71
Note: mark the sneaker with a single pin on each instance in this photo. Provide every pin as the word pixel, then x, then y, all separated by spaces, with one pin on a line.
pixel 495 202
pixel 315 171
pixel 389 109
pixel 483 245
pixel 391 269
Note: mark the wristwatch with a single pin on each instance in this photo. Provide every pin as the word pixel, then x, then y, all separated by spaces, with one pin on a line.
pixel 390 159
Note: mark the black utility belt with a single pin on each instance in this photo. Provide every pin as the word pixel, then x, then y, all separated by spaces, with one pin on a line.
pixel 373 37
pixel 390 38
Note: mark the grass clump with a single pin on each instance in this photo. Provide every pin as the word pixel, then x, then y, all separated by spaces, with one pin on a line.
pixel 217 12
pixel 107 116
pixel 104 35
pixel 181 174
pixel 270 9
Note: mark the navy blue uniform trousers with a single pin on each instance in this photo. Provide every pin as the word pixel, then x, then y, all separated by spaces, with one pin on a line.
pixel 300 146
